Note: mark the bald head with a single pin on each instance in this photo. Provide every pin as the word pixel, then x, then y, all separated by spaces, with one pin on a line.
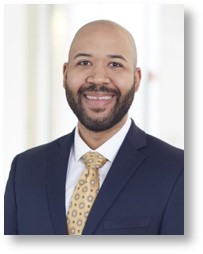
pixel 104 31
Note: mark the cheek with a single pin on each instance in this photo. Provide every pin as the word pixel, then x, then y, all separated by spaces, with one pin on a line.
pixel 74 81
pixel 124 82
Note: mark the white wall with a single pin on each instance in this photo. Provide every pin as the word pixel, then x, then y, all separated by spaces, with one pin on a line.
pixel 171 72
pixel 37 38
pixel 14 89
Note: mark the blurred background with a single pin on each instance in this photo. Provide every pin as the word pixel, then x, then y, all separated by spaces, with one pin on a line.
pixel 36 43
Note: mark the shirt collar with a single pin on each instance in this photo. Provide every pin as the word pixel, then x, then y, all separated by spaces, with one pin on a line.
pixel 109 149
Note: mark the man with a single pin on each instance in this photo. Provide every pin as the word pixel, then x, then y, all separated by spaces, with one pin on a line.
pixel 138 178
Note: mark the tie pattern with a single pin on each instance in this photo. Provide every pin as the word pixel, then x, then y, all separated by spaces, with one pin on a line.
pixel 85 193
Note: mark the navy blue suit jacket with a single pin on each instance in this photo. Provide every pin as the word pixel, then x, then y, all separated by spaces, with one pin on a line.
pixel 141 195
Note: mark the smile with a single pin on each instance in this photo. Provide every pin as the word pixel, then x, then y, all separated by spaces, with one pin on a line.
pixel 105 98
pixel 99 99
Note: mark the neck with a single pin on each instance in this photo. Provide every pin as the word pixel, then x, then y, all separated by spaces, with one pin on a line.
pixel 96 139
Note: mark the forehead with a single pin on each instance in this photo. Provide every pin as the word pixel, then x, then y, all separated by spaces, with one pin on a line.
pixel 102 39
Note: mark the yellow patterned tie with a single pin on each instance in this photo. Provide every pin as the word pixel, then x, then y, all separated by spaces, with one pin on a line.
pixel 85 193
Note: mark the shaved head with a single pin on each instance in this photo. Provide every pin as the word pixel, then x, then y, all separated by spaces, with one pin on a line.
pixel 105 28
pixel 101 75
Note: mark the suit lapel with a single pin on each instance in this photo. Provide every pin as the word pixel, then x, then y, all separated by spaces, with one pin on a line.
pixel 125 164
pixel 56 178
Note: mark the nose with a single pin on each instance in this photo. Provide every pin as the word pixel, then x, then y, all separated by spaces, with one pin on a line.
pixel 98 76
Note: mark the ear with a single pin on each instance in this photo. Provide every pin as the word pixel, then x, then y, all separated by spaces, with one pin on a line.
pixel 65 69
pixel 137 76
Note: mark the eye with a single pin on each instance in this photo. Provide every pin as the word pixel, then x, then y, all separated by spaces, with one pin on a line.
pixel 115 65
pixel 84 63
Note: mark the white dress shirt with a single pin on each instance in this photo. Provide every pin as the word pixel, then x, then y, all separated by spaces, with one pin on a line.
pixel 76 166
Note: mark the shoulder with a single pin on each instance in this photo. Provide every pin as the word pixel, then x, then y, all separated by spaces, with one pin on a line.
pixel 34 162
pixel 163 159
pixel 164 151
pixel 154 145
pixel 163 163
pixel 157 151
pixel 41 151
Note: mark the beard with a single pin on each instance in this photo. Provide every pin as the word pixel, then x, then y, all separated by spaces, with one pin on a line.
pixel 116 114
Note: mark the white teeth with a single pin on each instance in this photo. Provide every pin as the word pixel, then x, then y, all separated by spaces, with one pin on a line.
pixel 104 98
pixel 91 98
pixel 98 98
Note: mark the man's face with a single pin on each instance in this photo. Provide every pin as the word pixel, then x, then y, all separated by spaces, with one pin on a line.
pixel 100 78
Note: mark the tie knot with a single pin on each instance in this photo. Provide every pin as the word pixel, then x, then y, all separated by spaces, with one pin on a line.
pixel 93 160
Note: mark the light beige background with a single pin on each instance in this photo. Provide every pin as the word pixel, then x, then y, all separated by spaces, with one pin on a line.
pixel 192 241
pixel 37 39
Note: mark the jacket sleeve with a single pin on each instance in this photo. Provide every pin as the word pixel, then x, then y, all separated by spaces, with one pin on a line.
pixel 10 207
pixel 173 219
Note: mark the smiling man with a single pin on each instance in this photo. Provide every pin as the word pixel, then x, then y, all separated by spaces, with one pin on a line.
pixel 101 78
pixel 107 176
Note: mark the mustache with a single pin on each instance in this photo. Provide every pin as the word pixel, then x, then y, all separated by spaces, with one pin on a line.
pixel 99 88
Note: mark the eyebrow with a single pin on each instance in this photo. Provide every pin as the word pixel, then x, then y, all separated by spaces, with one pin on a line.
pixel 82 55
pixel 117 57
